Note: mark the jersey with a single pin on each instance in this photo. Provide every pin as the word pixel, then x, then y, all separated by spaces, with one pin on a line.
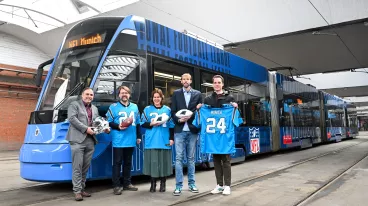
pixel 117 113
pixel 217 125
pixel 157 137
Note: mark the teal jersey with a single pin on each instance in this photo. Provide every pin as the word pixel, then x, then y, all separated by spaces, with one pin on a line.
pixel 117 113
pixel 217 128
pixel 157 137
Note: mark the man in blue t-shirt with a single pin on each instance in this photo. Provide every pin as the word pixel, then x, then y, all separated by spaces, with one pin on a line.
pixel 124 139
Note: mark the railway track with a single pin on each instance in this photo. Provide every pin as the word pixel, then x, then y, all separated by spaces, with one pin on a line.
pixel 51 192
pixel 271 173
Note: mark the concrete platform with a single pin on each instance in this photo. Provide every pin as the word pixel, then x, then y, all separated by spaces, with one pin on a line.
pixel 10 172
pixel 297 176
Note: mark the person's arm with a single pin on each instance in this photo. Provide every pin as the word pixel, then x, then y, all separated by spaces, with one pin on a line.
pixel 138 129
pixel 171 130
pixel 138 126
pixel 232 101
pixel 174 109
pixel 144 120
pixel 110 119
pixel 73 118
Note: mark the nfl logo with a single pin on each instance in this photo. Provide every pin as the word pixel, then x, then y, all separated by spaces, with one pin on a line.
pixel 254 140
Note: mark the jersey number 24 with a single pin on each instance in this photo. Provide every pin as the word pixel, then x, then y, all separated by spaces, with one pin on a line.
pixel 212 124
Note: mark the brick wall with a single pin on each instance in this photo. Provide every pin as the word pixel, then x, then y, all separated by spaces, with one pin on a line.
pixel 14 116
pixel 18 98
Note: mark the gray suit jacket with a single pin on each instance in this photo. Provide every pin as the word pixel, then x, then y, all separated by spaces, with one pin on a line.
pixel 78 119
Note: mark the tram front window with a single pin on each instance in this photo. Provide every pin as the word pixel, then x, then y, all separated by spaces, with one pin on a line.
pixel 72 72
pixel 77 61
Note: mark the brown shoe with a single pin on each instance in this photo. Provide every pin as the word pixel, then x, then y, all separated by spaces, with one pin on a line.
pixel 130 187
pixel 85 194
pixel 78 197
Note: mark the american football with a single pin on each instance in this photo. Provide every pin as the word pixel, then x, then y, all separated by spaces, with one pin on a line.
pixel 161 119
pixel 127 122
pixel 99 125
pixel 184 113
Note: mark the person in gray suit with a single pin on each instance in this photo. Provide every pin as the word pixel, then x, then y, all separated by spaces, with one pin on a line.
pixel 82 140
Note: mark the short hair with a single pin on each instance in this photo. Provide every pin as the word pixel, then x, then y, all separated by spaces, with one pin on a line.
pixel 218 76
pixel 124 88
pixel 186 74
pixel 159 92
pixel 87 88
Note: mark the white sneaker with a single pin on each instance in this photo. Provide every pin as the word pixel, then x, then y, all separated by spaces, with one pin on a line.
pixel 226 190
pixel 218 189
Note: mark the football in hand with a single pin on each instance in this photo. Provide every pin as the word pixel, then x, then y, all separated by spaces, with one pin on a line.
pixel 162 118
pixel 184 113
pixel 127 122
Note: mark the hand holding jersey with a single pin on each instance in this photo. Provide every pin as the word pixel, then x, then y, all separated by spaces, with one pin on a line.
pixel 232 103
pixel 217 127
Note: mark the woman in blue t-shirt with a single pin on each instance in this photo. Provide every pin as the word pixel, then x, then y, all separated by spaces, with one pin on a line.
pixel 158 141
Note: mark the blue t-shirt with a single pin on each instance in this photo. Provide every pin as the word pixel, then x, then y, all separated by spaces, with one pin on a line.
pixel 217 128
pixel 157 137
pixel 117 113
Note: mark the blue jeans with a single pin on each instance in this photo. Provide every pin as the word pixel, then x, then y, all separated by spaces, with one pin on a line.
pixel 185 141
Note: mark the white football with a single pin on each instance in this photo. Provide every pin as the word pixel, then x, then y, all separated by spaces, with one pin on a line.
pixel 184 113
pixel 162 118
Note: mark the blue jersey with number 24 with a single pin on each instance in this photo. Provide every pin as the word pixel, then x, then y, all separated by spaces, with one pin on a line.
pixel 217 128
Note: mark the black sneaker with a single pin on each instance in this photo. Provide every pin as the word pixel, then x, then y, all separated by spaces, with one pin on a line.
pixel 130 188
pixel 117 191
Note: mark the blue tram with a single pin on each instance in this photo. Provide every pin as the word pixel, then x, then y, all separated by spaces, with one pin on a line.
pixel 106 52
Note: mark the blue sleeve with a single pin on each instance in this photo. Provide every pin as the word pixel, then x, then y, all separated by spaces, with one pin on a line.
pixel 196 122
pixel 237 119
pixel 171 123
pixel 109 115
pixel 110 119
pixel 144 116
pixel 137 118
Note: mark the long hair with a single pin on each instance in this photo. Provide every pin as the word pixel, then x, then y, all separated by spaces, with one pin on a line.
pixel 159 92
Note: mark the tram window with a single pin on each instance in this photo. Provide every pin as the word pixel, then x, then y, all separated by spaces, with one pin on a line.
pixel 285 117
pixel 237 90
pixel 206 84
pixel 258 105
pixel 118 70
pixel 167 77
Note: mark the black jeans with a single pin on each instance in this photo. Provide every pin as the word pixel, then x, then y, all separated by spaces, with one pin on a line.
pixel 222 169
pixel 122 155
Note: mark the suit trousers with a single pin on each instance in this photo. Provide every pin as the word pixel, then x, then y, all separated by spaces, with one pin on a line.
pixel 222 169
pixel 81 160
